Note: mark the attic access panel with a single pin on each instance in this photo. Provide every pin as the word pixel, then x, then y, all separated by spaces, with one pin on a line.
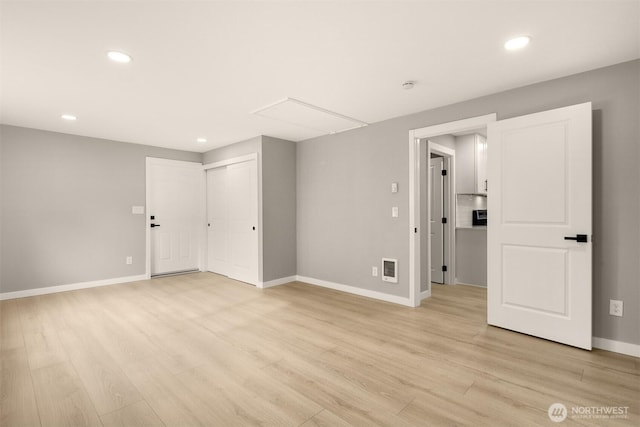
pixel 309 116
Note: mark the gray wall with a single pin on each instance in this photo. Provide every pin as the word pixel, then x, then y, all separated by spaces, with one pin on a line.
pixel 448 141
pixel 344 202
pixel 278 171
pixel 344 206
pixel 66 207
pixel 279 208
pixel 249 146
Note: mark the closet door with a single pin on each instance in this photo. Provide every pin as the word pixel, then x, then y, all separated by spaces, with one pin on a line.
pixel 217 221
pixel 232 221
pixel 242 191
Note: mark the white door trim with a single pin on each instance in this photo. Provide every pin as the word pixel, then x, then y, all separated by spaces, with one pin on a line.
pixel 415 135
pixel 231 161
pixel 150 161
pixel 227 162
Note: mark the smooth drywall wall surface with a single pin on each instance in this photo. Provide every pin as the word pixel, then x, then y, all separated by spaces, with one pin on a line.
pixel 279 208
pixel 344 202
pixel 66 207
pixel 250 146
pixel 448 141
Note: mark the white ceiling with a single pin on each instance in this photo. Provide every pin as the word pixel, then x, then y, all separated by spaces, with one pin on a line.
pixel 201 68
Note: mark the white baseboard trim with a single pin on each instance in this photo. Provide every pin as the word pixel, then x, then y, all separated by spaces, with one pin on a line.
pixel 70 287
pixel 354 290
pixel 425 294
pixel 616 346
pixel 277 282
pixel 471 284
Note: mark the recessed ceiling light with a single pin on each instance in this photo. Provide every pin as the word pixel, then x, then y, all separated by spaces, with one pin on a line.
pixel 201 140
pixel 121 57
pixel 69 117
pixel 517 42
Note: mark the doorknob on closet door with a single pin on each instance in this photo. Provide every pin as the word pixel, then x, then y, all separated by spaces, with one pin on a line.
pixel 254 228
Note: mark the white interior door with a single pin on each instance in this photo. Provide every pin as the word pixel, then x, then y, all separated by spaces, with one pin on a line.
pixel 175 205
pixel 217 221
pixel 436 165
pixel 242 196
pixel 541 178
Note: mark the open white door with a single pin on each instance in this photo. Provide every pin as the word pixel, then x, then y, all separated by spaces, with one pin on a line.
pixel 539 283
pixel 217 221
pixel 436 203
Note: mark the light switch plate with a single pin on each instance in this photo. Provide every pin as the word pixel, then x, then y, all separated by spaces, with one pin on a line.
pixel 394 212
pixel 137 210
pixel 394 187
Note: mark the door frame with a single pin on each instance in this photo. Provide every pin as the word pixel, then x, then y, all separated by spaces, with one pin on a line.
pixel 415 188
pixel 150 161
pixel 449 235
pixel 226 162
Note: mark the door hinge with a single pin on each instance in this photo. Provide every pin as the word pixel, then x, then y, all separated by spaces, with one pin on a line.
pixel 444 220
pixel 444 172
pixel 444 268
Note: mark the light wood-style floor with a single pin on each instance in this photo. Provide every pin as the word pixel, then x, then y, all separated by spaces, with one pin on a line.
pixel 202 350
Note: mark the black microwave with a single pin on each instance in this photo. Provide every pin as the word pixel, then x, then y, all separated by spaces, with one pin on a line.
pixel 479 217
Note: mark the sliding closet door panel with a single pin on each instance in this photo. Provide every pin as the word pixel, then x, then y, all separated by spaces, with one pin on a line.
pixel 217 221
pixel 242 191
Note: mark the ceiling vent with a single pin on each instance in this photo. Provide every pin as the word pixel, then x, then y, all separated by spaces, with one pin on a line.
pixel 308 116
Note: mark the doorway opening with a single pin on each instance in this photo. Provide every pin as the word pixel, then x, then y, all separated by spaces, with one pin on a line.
pixel 437 218
pixel 423 143
pixel 525 232
pixel 437 215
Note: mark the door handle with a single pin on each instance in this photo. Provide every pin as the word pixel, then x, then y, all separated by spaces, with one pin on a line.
pixel 155 225
pixel 580 238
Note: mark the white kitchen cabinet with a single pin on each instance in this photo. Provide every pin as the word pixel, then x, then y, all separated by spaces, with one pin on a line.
pixel 471 164
pixel 481 181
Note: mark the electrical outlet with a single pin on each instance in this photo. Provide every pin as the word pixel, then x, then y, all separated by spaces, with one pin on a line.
pixel 374 271
pixel 129 260
pixel 615 307
pixel 394 212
